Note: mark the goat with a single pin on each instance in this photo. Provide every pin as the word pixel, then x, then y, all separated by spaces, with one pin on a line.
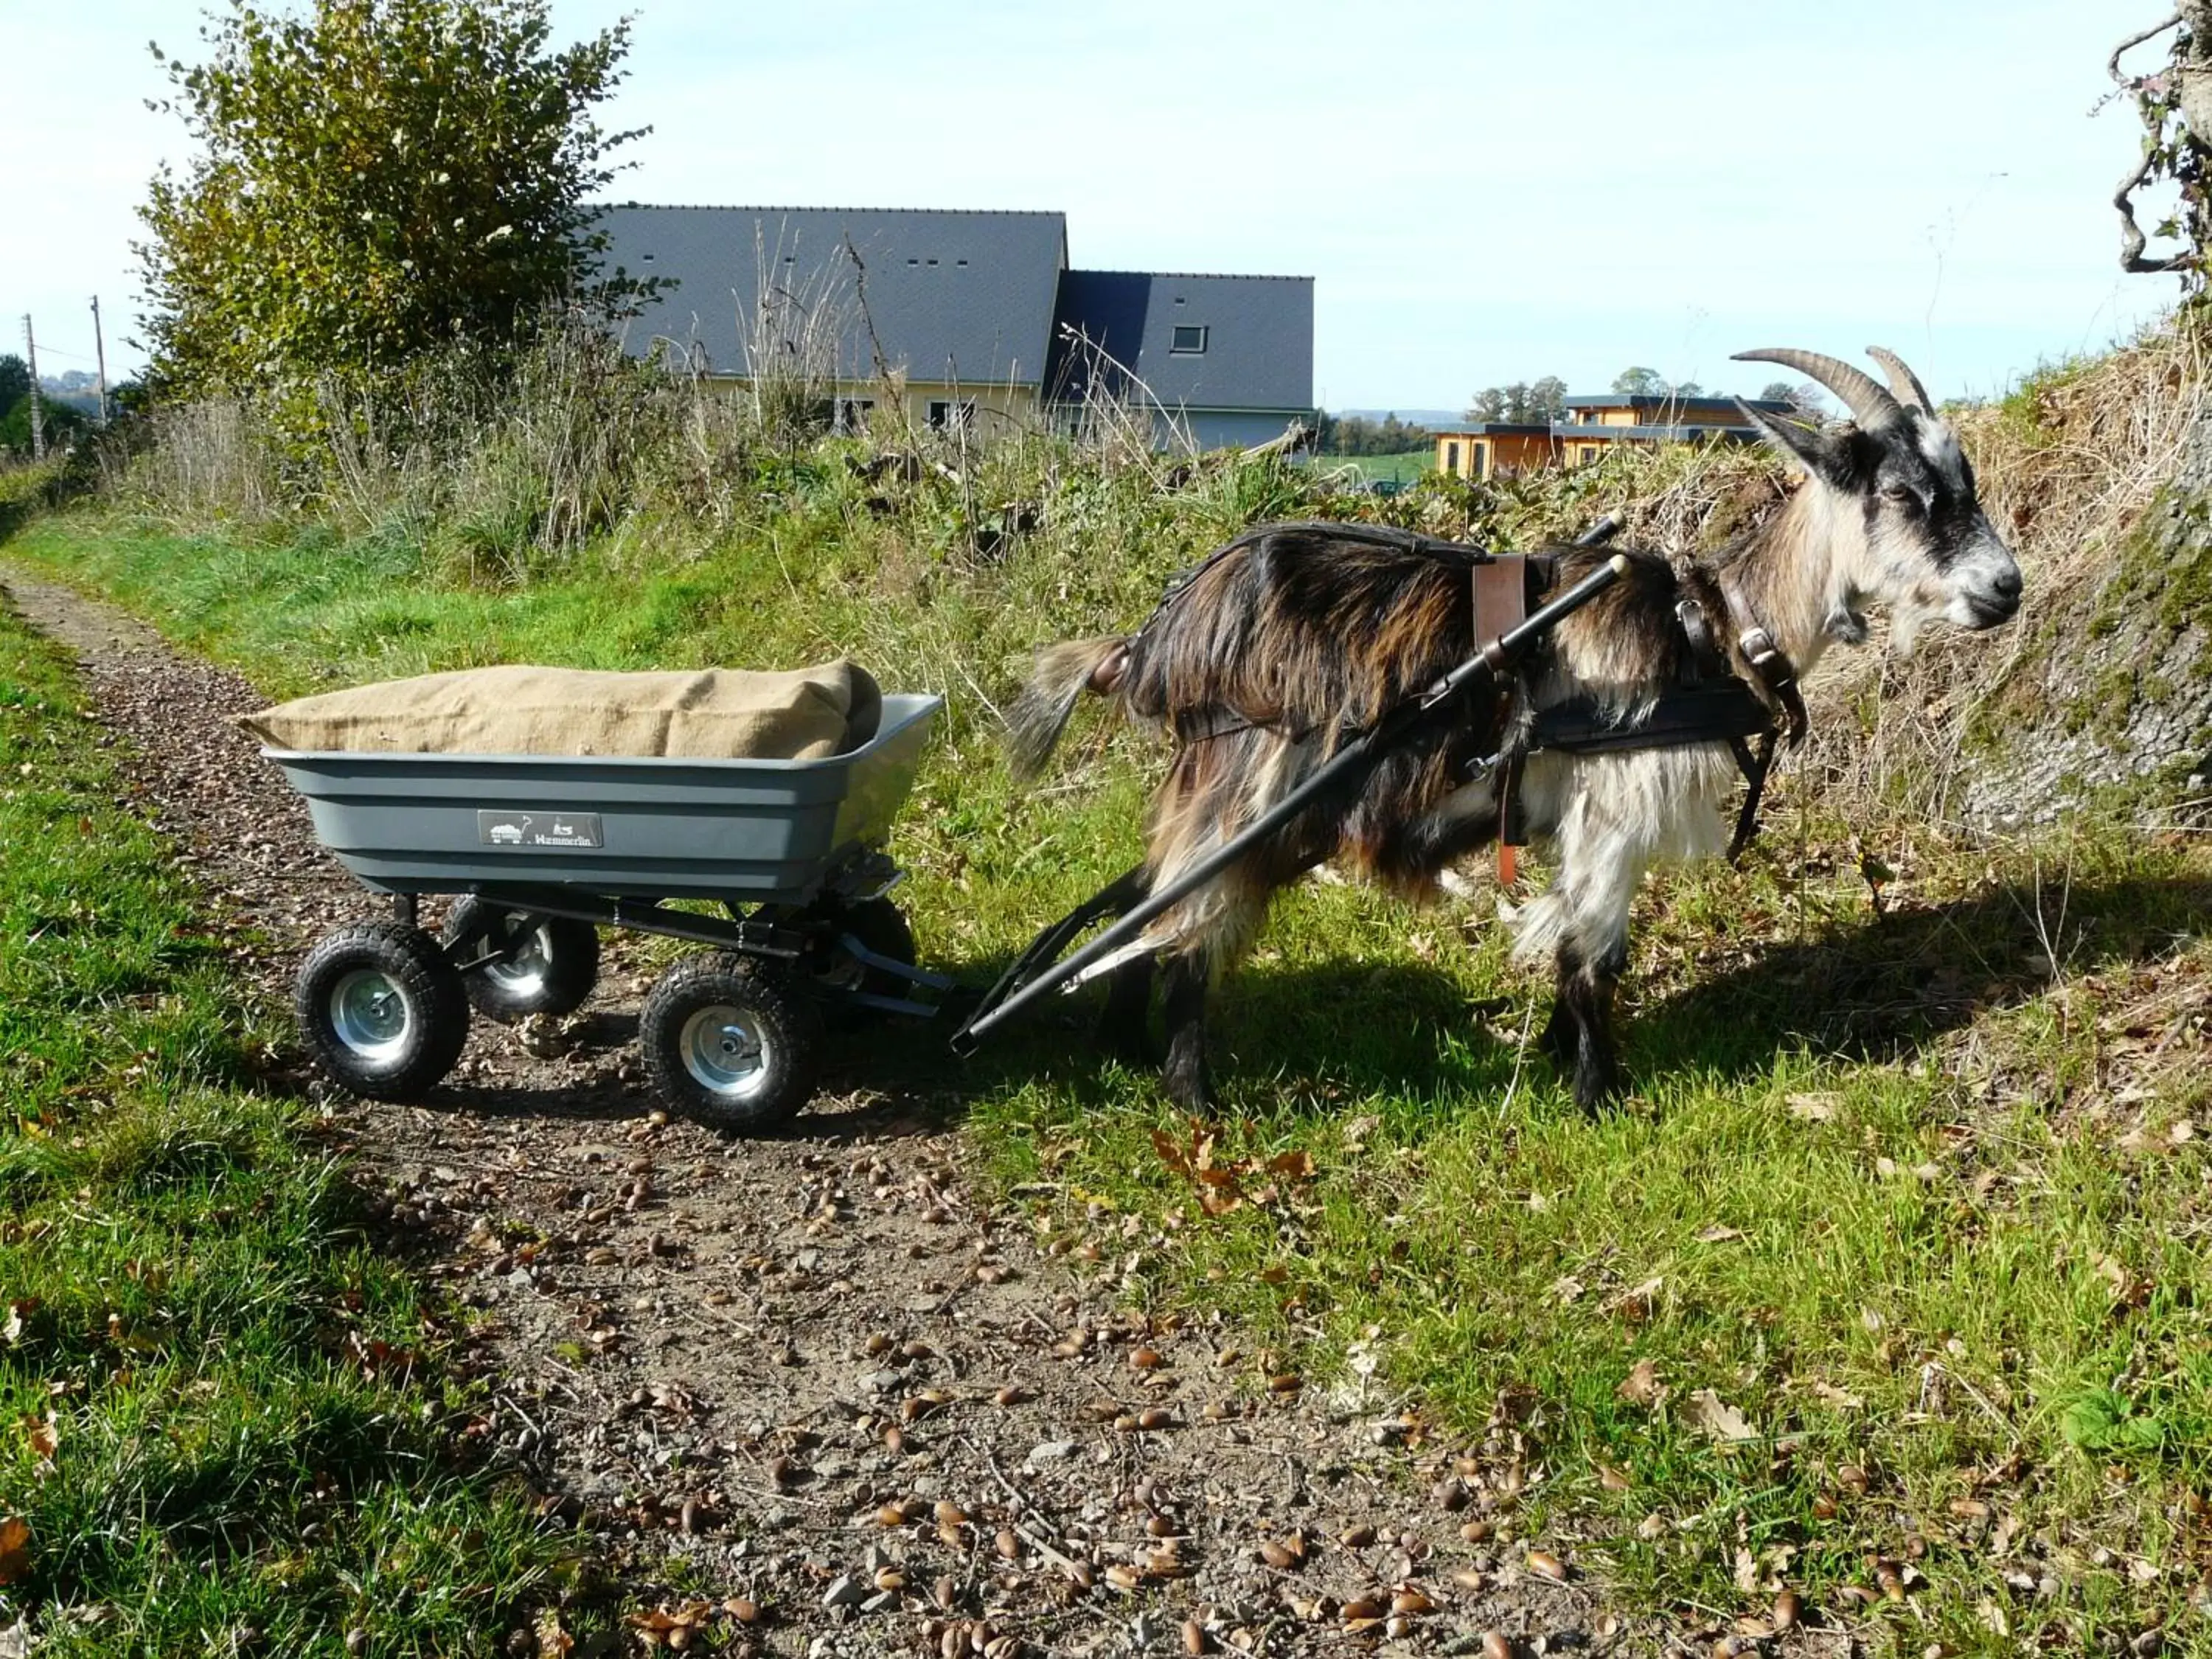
pixel 1291 636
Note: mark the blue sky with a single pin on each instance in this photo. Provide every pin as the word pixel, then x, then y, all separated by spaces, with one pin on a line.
pixel 1484 191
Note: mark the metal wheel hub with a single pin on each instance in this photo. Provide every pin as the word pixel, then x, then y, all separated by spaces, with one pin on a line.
pixel 524 973
pixel 726 1050
pixel 370 1015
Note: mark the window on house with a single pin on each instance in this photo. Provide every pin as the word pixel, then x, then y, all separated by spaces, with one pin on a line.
pixel 1451 457
pixel 1189 339
pixel 1482 461
pixel 951 414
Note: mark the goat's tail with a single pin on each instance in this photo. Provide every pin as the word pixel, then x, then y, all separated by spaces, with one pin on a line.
pixel 1063 674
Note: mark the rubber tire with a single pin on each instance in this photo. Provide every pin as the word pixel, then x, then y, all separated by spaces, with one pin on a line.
pixel 786 1018
pixel 572 969
pixel 435 1001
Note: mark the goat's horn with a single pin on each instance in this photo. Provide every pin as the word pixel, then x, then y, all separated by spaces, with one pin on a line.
pixel 1868 404
pixel 1903 382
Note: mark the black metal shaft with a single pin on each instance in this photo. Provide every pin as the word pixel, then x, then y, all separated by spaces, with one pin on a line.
pixel 1364 750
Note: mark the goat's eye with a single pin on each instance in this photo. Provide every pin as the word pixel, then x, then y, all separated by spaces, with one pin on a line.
pixel 1903 496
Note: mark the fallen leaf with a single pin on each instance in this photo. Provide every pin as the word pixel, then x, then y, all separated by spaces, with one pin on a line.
pixel 1297 1165
pixel 44 1434
pixel 14 1548
pixel 1720 1419
pixel 1638 1302
pixel 1642 1386
pixel 1815 1107
pixel 1841 1400
pixel 1718 1235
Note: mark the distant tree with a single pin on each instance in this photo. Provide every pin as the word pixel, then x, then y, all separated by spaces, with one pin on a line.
pixel 15 381
pixel 1523 401
pixel 1639 382
pixel 1803 396
pixel 1683 389
pixel 60 421
pixel 1355 434
pixel 375 177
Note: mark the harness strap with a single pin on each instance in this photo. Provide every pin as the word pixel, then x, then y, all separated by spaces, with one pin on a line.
pixel 1754 767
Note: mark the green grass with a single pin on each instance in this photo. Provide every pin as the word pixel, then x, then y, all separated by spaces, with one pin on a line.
pixel 1911 1201
pixel 186 1429
pixel 1401 468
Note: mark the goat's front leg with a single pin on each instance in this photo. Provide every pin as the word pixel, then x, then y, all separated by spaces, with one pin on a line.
pixel 1579 1038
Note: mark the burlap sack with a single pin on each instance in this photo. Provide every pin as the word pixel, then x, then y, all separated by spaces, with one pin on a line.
pixel 713 713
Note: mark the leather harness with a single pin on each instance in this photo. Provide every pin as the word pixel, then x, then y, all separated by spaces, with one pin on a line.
pixel 1754 697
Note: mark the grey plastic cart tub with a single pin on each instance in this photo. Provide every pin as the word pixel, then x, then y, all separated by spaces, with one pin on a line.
pixel 758 830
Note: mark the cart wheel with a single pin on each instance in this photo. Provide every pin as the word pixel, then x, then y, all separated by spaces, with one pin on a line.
pixel 729 1039
pixel 382 1009
pixel 551 971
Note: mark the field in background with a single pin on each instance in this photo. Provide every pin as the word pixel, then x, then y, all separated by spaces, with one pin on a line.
pixel 1890 1276
pixel 1403 468
pixel 226 1412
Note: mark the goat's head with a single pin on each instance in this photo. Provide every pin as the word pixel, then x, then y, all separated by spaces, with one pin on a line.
pixel 1909 533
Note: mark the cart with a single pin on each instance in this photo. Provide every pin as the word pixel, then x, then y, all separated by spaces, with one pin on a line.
pixel 541 851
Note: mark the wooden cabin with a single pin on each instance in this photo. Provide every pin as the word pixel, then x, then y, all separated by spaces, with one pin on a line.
pixel 1492 449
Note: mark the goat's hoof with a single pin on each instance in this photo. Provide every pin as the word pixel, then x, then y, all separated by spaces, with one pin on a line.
pixel 1193 1095
pixel 1599 1093
pixel 1131 1045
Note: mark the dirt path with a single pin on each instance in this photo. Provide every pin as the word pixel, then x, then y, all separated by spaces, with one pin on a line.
pixel 816 1369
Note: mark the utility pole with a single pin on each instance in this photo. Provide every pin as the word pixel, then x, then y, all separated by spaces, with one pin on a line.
pixel 38 409
pixel 99 351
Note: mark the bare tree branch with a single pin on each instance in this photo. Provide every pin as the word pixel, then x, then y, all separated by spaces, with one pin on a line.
pixel 2112 64
pixel 2132 240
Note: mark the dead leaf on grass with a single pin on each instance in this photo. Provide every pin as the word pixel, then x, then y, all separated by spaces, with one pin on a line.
pixel 1642 1386
pixel 1840 1399
pixel 1817 1108
pixel 553 1642
pixel 14 1548
pixel 1719 1418
pixel 1717 1234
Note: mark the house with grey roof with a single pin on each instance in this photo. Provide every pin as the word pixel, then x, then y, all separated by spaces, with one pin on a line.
pixel 969 317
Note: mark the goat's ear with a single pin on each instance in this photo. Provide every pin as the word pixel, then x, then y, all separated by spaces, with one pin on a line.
pixel 1811 447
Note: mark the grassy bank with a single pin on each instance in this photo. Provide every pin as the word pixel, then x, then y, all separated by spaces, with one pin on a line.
pixel 228 1416
pixel 1888 1279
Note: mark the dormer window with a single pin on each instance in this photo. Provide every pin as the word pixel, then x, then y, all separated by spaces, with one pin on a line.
pixel 1189 340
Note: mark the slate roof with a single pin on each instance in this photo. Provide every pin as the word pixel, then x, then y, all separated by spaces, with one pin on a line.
pixel 1258 337
pixel 953 294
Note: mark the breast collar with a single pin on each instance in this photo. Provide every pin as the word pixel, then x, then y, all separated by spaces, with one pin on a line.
pixel 1737 687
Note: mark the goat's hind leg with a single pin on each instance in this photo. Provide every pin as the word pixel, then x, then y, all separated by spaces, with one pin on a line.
pixel 1125 1024
pixel 1188 1083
